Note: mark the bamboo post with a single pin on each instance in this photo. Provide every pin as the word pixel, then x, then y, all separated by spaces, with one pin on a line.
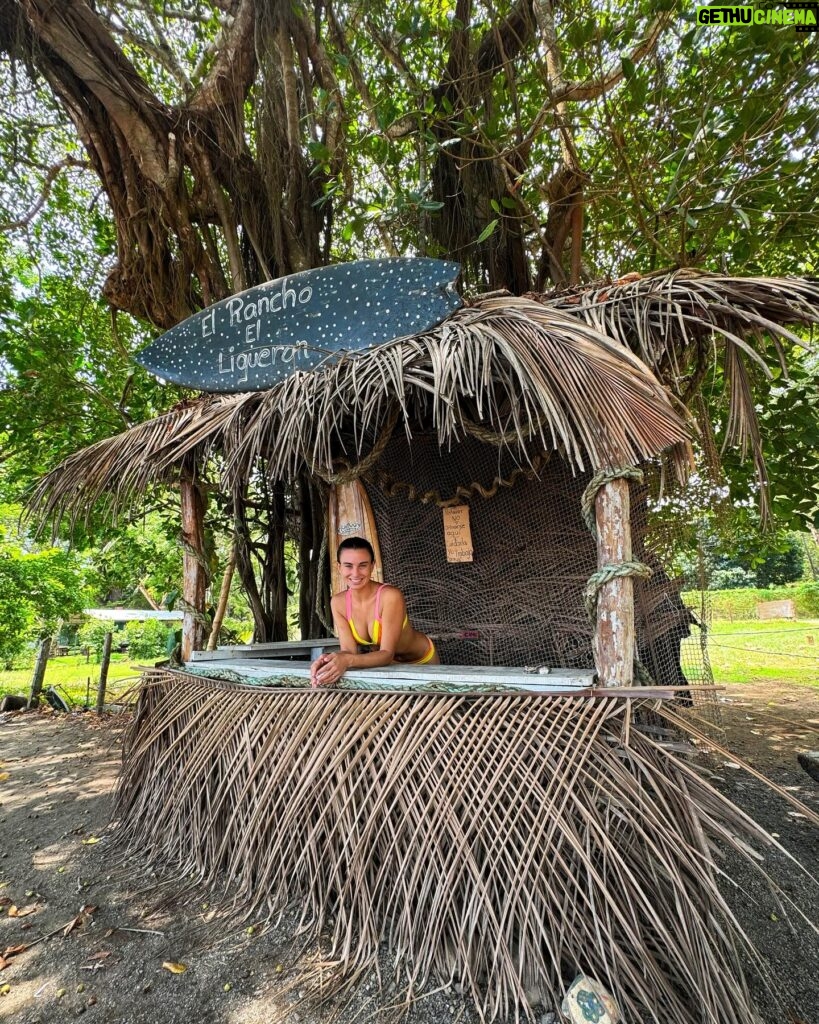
pixel 614 632
pixel 39 672
pixel 224 596
pixel 194 574
pixel 104 663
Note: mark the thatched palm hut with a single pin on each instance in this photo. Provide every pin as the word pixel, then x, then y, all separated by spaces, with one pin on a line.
pixel 504 839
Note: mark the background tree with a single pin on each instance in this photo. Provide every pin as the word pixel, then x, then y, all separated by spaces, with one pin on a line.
pixel 166 156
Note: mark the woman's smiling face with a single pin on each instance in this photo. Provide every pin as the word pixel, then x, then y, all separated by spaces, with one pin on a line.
pixel 356 567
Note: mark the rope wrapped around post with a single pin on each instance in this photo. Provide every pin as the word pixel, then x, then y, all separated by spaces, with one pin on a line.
pixel 606 573
pixel 200 617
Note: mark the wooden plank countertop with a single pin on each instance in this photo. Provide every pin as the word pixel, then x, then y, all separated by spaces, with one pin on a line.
pixel 287 648
pixel 536 679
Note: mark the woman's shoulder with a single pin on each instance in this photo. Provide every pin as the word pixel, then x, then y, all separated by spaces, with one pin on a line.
pixel 391 593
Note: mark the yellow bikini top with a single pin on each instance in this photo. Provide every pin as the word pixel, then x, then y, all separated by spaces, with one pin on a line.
pixel 375 629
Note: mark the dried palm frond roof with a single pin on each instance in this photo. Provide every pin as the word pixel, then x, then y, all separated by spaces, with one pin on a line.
pixel 662 317
pixel 683 323
pixel 593 373
pixel 515 369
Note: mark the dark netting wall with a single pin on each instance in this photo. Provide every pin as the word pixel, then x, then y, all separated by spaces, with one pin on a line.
pixel 519 602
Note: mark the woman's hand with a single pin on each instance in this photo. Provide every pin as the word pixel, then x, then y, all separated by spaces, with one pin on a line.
pixel 329 668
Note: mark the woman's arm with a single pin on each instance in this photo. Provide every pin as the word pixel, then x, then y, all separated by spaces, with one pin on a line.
pixel 329 668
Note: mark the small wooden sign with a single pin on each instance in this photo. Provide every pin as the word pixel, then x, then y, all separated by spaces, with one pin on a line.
pixel 457 535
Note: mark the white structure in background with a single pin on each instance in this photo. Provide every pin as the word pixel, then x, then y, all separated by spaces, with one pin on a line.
pixel 118 615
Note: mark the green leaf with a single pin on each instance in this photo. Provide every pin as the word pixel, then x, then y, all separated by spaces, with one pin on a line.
pixel 487 231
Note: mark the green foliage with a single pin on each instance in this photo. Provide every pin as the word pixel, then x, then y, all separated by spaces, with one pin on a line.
pixel 732 577
pixel 67 379
pixel 741 603
pixel 92 633
pixel 145 553
pixel 784 566
pixel 37 589
pixel 147 640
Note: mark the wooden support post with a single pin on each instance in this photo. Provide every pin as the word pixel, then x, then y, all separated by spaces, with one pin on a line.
pixel 194 573
pixel 224 597
pixel 106 661
pixel 614 631
pixel 39 672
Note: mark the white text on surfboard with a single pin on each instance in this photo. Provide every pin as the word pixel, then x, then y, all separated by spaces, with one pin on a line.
pixel 240 310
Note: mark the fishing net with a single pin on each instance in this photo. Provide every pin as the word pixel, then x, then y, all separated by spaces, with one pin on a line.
pixel 519 601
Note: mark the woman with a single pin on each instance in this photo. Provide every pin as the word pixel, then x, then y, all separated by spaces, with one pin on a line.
pixel 372 615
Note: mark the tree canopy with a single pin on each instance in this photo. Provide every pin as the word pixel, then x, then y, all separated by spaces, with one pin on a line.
pixel 159 157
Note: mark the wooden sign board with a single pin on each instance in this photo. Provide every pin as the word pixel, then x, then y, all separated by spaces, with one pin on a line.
pixel 457 535
pixel 776 610
pixel 253 340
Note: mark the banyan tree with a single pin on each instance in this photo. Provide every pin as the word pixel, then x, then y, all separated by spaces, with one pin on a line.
pixel 506 820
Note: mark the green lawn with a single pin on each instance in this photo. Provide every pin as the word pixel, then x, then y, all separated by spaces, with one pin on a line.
pixel 751 650
pixel 69 675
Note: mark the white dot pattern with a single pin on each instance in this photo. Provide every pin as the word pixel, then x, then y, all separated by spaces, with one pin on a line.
pixel 251 341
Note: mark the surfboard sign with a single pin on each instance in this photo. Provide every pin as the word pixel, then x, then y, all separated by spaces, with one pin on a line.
pixel 252 340
pixel 350 514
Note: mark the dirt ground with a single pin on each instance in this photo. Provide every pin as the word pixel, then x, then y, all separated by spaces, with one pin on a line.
pixel 97 938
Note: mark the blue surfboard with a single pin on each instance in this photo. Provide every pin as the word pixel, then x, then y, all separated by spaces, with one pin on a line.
pixel 252 340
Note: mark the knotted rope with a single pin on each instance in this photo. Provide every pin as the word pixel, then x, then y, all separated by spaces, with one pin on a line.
pixel 604 476
pixel 391 487
pixel 350 473
pixel 200 617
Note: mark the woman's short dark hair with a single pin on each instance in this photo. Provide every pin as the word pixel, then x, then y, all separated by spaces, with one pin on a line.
pixel 355 544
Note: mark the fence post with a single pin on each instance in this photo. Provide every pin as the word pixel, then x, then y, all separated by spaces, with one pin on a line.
pixel 106 660
pixel 39 672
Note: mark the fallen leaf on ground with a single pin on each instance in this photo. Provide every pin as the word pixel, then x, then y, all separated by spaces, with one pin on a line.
pixel 23 911
pixel 85 911
pixel 89 841
pixel 3 776
pixel 174 967
pixel 11 951
pixel 4 990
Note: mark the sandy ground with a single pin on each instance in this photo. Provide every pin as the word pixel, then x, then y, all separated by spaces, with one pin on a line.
pixel 97 938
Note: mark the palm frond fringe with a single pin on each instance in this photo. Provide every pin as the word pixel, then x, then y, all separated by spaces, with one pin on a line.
pixel 599 371
pixel 504 842
pixel 682 323
pixel 515 366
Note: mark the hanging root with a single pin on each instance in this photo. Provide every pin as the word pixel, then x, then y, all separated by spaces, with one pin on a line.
pixel 501 842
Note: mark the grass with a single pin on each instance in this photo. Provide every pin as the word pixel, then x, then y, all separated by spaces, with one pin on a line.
pixel 69 675
pixel 751 650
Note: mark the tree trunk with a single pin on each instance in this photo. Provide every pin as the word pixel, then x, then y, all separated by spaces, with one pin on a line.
pixel 106 661
pixel 614 633
pixel 39 672
pixel 194 568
